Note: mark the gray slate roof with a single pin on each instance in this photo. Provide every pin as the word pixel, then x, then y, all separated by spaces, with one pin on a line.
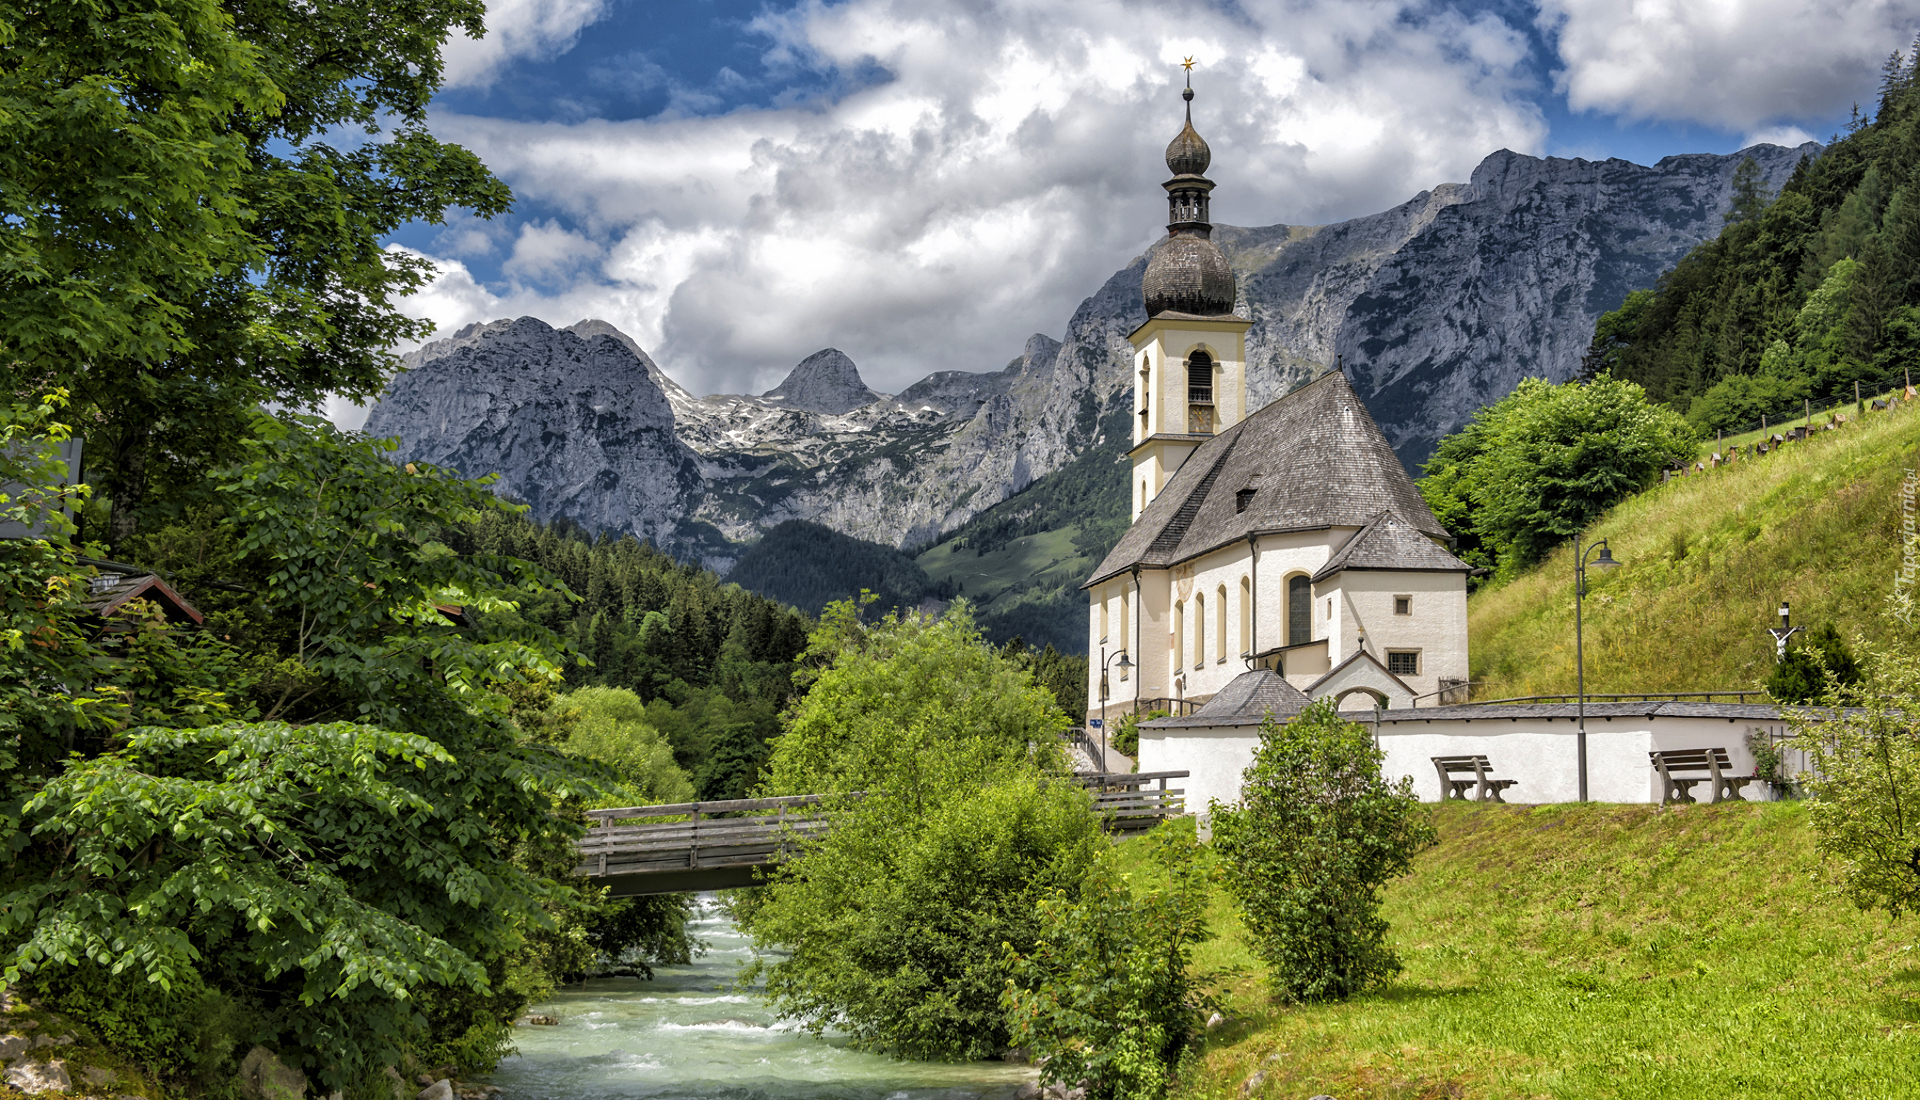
pixel 1314 459
pixel 1498 712
pixel 1651 708
pixel 1390 542
pixel 1245 701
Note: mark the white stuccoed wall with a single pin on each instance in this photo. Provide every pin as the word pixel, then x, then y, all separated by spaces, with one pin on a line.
pixel 1538 752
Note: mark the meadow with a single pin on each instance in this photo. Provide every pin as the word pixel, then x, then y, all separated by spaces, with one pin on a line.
pixel 1597 951
pixel 1706 561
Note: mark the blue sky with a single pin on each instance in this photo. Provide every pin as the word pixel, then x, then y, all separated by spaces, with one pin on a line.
pixel 738 183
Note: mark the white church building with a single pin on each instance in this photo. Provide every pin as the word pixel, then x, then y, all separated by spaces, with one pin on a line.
pixel 1283 555
pixel 1289 538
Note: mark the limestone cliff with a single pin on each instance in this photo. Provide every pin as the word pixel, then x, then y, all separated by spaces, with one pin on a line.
pixel 1435 307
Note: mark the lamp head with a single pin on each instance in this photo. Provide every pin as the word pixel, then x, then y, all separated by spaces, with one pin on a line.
pixel 1605 560
pixel 1125 661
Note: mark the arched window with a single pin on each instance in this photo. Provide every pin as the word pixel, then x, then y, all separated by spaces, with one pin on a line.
pixel 1246 616
pixel 1200 378
pixel 1199 630
pixel 1220 625
pixel 1299 610
pixel 1179 634
pixel 1126 637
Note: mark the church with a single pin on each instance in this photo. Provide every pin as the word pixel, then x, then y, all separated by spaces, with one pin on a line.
pixel 1287 541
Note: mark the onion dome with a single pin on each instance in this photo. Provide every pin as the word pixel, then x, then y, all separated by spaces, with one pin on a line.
pixel 1187 154
pixel 1187 274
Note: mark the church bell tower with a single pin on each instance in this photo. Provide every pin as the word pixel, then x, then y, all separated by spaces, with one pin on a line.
pixel 1190 358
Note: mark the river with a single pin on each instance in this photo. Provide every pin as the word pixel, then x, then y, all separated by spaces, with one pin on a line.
pixel 689 1035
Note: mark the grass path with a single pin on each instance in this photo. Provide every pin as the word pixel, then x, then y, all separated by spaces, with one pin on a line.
pixel 1598 951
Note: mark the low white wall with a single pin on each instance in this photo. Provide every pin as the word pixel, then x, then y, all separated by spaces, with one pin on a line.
pixel 1540 754
pixel 1215 756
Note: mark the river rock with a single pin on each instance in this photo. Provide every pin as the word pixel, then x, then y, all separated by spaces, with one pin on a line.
pixel 1028 1091
pixel 13 1046
pixel 263 1076
pixel 97 1075
pixel 38 1077
pixel 439 1090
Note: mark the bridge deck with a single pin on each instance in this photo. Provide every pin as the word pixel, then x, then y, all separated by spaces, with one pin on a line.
pixel 704 851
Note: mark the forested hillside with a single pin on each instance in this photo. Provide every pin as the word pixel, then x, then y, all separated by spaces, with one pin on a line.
pixel 1804 294
pixel 712 662
pixel 809 566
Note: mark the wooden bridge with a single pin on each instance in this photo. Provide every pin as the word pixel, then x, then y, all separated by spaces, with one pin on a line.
pixel 716 845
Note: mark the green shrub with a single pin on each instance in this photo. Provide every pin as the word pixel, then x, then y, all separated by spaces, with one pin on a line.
pixel 1316 835
pixel 1107 996
pixel 1863 781
pixel 189 1036
pixel 893 928
pixel 1802 676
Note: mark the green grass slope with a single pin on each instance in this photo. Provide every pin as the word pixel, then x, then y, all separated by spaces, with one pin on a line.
pixel 1707 560
pixel 1597 952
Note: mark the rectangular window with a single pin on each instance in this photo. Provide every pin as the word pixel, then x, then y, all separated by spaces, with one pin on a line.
pixel 1220 625
pixel 1246 617
pixel 1403 662
pixel 1126 636
pixel 1103 621
pixel 1403 605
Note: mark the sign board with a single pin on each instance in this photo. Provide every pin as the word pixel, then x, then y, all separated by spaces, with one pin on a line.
pixel 1096 723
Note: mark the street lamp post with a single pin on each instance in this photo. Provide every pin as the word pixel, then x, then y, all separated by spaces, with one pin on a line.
pixel 1125 663
pixel 1604 562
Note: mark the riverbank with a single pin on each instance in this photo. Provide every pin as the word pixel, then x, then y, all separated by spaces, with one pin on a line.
pixel 692 1033
pixel 1597 951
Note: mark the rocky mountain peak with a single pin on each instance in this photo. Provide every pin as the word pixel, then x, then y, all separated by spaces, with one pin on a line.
pixel 824 382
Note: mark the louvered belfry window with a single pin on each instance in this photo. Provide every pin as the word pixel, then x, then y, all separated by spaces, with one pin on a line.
pixel 1200 393
pixel 1200 379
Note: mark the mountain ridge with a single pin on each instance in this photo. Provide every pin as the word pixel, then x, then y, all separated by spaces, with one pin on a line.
pixel 1434 306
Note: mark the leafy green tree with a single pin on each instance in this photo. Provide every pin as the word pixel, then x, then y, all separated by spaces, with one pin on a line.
pixel 1863 781
pixel 1814 658
pixel 178 256
pixel 1108 995
pixel 893 928
pixel 1545 461
pixel 324 821
pixel 1315 836
pixel 610 725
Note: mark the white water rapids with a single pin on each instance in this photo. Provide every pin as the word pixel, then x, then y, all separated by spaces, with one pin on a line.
pixel 690 1035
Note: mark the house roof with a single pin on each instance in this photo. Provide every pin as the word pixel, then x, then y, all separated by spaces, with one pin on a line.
pixel 1246 700
pixel 1345 672
pixel 107 593
pixel 1313 459
pixel 1391 543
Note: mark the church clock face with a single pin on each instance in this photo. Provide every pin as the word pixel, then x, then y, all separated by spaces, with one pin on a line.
pixel 1200 419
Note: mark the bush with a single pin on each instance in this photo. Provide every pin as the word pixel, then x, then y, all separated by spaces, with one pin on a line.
pixel 1802 676
pixel 893 928
pixel 1863 781
pixel 610 725
pixel 1317 834
pixel 1107 996
pixel 1545 461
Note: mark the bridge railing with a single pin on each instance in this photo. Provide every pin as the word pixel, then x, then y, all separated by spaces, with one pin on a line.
pixel 701 838
pixel 1133 802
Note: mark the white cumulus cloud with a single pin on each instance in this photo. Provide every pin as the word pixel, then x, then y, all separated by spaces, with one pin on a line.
pixel 1732 64
pixel 516 29
pixel 1011 163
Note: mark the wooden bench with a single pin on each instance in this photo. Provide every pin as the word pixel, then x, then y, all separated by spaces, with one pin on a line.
pixel 1714 762
pixel 1486 789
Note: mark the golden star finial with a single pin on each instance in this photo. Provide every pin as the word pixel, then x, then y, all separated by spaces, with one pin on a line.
pixel 1187 63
